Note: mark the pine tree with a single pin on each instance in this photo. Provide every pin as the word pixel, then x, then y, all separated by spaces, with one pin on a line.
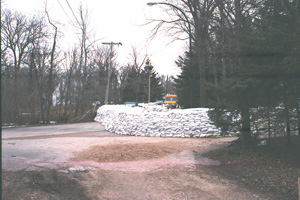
pixel 156 87
pixel 187 86
pixel 136 86
pixel 268 75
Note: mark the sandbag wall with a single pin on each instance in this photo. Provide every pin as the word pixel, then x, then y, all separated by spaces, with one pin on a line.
pixel 156 121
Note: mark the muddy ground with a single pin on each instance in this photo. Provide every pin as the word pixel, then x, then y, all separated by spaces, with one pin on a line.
pixel 112 167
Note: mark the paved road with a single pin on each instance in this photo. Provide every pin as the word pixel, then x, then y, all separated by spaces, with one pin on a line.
pixel 93 129
pixel 33 148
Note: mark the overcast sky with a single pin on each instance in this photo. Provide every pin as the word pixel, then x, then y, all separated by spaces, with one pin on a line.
pixel 112 20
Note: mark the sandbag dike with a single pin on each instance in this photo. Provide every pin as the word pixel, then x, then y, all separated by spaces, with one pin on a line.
pixel 156 121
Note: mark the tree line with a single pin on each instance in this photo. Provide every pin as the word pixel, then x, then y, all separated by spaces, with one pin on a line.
pixel 244 62
pixel 42 82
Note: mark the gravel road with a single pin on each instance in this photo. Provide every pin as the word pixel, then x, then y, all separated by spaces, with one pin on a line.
pixel 83 161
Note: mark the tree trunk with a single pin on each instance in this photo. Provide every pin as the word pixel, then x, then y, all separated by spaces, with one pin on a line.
pixel 66 106
pixel 15 93
pixel 238 27
pixel 50 83
pixel 221 6
pixel 288 125
pixel 269 122
pixel 215 71
pixel 31 89
pixel 201 60
pixel 298 117
pixel 68 87
pixel 42 109
pixel 246 127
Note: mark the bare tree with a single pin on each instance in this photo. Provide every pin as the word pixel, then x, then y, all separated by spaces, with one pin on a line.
pixel 70 65
pixel 18 35
pixel 50 80
pixel 168 84
pixel 15 39
pixel 81 71
pixel 101 61
pixel 192 17
pixel 138 61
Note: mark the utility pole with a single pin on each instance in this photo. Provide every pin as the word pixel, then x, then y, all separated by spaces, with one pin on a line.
pixel 190 44
pixel 150 67
pixel 109 68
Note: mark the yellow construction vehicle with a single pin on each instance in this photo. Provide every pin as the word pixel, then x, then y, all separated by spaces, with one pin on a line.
pixel 171 100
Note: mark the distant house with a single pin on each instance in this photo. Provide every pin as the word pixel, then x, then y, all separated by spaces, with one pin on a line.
pixel 57 95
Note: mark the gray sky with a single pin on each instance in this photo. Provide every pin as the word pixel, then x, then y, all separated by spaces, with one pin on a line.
pixel 112 20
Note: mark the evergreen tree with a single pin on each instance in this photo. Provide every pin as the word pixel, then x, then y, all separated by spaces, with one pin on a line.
pixel 187 86
pixel 156 87
pixel 268 75
pixel 136 86
pixel 132 85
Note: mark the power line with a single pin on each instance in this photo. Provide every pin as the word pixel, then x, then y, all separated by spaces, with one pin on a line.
pixel 64 11
pixel 73 15
pixel 73 12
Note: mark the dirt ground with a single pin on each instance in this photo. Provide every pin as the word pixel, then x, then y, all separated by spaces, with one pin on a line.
pixel 145 168
pixel 272 169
